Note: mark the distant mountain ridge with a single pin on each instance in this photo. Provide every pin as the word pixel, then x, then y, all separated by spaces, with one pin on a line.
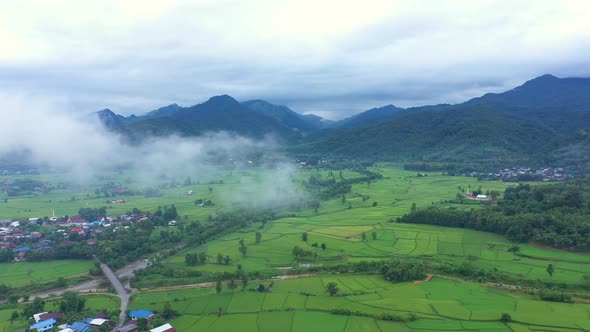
pixel 255 118
pixel 544 119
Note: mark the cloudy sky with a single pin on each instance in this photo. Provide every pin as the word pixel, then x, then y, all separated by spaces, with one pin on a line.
pixel 331 58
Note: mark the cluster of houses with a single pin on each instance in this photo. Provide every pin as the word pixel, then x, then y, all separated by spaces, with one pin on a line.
pixel 12 237
pixel 524 173
pixel 45 321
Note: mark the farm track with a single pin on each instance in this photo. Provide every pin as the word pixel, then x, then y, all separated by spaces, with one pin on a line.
pixel 212 283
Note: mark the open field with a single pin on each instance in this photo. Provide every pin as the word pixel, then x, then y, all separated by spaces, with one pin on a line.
pixel 341 229
pixel 360 228
pixel 24 273
pixel 303 305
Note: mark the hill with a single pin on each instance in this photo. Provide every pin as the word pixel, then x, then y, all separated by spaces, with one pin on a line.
pixel 542 121
pixel 368 118
pixel 219 113
pixel 255 118
pixel 284 115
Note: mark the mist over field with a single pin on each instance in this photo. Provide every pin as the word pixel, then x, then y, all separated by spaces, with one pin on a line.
pixel 44 133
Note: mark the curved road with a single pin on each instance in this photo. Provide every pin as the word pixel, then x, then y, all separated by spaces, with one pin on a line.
pixel 121 291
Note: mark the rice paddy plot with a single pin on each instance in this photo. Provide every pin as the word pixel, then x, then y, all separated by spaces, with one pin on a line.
pixel 23 273
pixel 318 321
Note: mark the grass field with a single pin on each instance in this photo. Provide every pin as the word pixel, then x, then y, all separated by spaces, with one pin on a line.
pixel 25 273
pixel 341 229
pixel 440 305
pixel 302 304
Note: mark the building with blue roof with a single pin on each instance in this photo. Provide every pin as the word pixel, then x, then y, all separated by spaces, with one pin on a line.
pixel 44 325
pixel 21 249
pixel 137 314
pixel 80 327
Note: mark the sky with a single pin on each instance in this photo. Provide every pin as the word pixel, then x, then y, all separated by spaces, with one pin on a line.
pixel 330 58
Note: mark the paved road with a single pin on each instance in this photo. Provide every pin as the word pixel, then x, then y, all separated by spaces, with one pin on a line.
pixel 93 286
pixel 121 291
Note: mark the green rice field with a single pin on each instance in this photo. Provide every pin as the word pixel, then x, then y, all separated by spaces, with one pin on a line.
pixel 303 305
pixel 25 273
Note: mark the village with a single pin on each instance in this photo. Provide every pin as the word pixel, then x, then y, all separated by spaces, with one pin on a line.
pixel 19 245
pixel 524 173
pixel 63 230
pixel 139 320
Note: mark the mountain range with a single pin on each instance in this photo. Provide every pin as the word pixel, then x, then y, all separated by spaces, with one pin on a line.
pixel 545 120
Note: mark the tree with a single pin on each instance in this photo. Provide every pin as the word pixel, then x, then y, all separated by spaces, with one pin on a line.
pixel 258 237
pixel 218 286
pixel 550 269
pixel 374 235
pixel 71 303
pixel 413 208
pixel 203 258
pixel 188 181
pixel 219 258
pixel 226 260
pixel 324 246
pixel 191 259
pixel 261 288
pixel 304 236
pixel 142 324
pixel 375 203
pixel 34 307
pixel 506 317
pixel 13 316
pixel 168 312
pixel 332 288
pixel 244 281
pixel 232 284
pixel 243 250
pixel 363 236
pixel 494 194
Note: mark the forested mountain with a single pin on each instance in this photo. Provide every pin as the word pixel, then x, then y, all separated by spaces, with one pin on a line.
pixel 545 120
pixel 284 115
pixel 255 118
pixel 368 118
pixel 220 113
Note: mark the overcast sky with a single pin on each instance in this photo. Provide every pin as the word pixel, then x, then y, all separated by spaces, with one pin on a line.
pixel 331 58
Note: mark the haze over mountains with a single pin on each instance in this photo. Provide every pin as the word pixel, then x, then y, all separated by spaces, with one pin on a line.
pixel 543 120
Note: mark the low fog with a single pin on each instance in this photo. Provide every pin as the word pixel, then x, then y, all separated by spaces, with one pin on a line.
pixel 48 134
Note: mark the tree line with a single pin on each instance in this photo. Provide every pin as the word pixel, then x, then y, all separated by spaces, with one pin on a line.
pixel 555 215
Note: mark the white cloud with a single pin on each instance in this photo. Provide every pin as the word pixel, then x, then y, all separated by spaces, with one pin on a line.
pixel 133 56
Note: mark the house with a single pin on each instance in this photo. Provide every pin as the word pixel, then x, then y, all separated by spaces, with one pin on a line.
pixel 137 314
pixel 50 315
pixel 128 327
pixel 78 230
pixel 172 223
pixel 98 321
pixel 481 197
pixel 102 315
pixel 22 249
pixel 164 328
pixel 80 327
pixel 44 325
pixel 37 317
